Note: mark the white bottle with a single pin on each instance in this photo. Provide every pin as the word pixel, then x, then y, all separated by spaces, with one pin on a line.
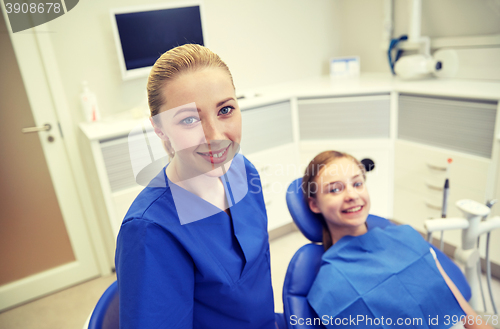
pixel 89 104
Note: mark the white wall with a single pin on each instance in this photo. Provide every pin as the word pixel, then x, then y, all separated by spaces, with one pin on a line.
pixel 362 24
pixel 263 42
pixel 451 18
pixel 361 32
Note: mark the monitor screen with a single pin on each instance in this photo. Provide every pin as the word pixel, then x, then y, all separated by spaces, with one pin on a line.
pixel 144 35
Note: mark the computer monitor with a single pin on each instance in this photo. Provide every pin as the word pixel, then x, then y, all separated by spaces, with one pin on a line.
pixel 143 33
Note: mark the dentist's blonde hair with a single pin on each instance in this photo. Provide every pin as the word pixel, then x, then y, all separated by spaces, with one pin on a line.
pixel 172 64
pixel 176 61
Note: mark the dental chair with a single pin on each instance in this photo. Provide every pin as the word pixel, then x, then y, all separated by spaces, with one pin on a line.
pixel 306 262
pixel 106 312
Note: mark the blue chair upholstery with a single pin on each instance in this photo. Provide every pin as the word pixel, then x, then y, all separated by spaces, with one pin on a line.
pixel 280 320
pixel 105 314
pixel 306 262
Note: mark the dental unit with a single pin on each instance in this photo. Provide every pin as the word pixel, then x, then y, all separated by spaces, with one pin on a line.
pixel 473 225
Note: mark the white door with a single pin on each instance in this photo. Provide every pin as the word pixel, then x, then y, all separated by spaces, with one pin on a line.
pixel 44 242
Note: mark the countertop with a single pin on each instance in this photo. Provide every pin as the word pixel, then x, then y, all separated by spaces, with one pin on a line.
pixel 367 83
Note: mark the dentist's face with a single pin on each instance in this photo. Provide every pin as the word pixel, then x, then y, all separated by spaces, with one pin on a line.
pixel 202 121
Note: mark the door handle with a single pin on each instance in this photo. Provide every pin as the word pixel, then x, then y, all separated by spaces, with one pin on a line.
pixel 45 127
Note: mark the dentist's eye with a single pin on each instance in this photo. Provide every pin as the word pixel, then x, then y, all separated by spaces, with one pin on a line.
pixel 226 110
pixel 189 121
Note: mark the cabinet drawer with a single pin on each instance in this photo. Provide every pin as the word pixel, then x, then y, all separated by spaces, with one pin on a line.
pixel 124 157
pixel 413 209
pixel 431 186
pixel 418 183
pixel 277 165
pixel 344 117
pixel 277 168
pixel 462 125
pixel 419 177
pixel 428 164
pixel 277 213
pixel 266 127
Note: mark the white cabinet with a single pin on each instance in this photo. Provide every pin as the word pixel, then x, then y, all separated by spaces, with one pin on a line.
pixel 420 172
pixel 430 131
pixel 119 150
pixel 268 142
pixel 277 167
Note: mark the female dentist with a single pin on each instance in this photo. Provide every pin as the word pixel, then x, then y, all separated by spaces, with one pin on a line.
pixel 193 250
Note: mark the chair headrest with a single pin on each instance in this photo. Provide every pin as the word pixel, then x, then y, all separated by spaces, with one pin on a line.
pixel 308 222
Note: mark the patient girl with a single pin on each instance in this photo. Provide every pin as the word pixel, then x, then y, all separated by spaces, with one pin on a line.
pixel 374 277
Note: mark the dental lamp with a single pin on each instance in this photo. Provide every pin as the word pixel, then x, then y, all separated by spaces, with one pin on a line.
pixel 443 64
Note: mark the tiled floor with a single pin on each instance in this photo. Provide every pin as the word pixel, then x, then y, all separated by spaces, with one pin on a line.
pixel 70 308
pixel 67 309
pixel 282 251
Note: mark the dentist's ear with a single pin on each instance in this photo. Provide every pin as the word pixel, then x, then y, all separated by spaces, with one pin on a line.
pixel 166 141
pixel 158 131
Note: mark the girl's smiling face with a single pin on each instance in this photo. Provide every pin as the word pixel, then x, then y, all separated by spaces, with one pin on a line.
pixel 342 198
pixel 201 121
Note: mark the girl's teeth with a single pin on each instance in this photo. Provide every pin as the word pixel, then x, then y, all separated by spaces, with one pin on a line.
pixel 353 209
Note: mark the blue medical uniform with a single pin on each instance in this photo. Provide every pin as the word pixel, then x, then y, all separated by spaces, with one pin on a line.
pixel 209 273
pixel 385 278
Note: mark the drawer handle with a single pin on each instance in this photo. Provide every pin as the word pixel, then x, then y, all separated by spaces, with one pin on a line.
pixel 268 202
pixel 433 186
pixel 435 167
pixel 264 169
pixel 431 205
